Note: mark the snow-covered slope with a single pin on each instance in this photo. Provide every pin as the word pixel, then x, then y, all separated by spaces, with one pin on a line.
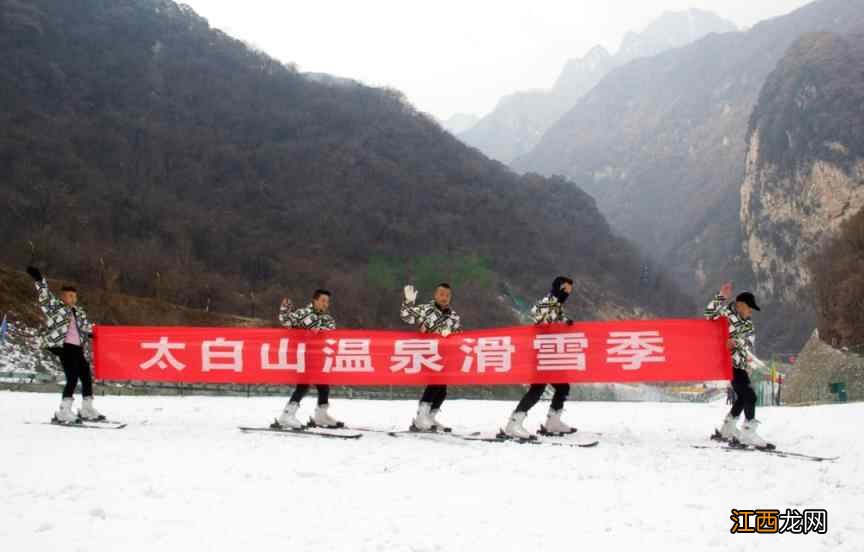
pixel 182 477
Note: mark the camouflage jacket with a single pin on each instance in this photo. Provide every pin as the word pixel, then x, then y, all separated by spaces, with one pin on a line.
pixel 306 318
pixel 429 318
pixel 57 318
pixel 548 309
pixel 741 331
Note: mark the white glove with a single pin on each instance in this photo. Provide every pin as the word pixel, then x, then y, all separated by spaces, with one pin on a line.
pixel 445 332
pixel 410 294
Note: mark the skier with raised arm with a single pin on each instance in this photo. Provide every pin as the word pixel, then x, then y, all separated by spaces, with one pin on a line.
pixel 316 317
pixel 742 338
pixel 439 318
pixel 68 332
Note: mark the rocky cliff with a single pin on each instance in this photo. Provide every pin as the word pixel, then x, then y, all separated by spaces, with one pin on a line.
pixel 804 173
pixel 661 142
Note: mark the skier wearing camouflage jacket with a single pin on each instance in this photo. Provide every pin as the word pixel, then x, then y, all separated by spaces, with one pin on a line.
pixel 548 310
pixel 436 317
pixel 315 317
pixel 67 333
pixel 742 336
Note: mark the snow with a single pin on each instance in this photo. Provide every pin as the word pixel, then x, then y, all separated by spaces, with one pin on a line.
pixel 182 477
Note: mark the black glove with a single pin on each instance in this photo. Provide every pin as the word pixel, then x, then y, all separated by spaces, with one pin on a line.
pixel 34 273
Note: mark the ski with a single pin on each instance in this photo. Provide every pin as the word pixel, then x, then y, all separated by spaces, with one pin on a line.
pixel 727 445
pixel 87 425
pixel 428 435
pixel 435 429
pixel 545 433
pixel 103 421
pixel 384 431
pixel 716 436
pixel 501 437
pixel 584 440
pixel 311 424
pixel 304 432
pixel 377 430
pixel 775 452
pixel 790 454
pixel 575 435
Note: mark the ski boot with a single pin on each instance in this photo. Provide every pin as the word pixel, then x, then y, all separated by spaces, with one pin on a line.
pixel 65 415
pixel 423 421
pixel 555 425
pixel 514 428
pixel 88 413
pixel 322 418
pixel 288 419
pixel 436 424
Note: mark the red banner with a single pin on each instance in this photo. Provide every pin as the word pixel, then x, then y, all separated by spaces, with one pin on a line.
pixel 619 351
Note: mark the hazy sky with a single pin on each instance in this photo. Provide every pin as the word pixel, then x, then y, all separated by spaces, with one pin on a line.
pixel 451 56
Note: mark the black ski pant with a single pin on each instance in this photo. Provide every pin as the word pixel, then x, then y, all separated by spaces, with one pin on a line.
pixel 75 367
pixel 435 395
pixel 301 390
pixel 532 396
pixel 745 396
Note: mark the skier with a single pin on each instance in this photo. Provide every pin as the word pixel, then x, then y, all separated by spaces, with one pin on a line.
pixel 67 335
pixel 436 317
pixel 315 317
pixel 549 309
pixel 742 336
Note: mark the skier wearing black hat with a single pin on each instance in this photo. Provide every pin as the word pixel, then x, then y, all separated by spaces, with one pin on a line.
pixel 742 335
pixel 549 309
pixel 68 332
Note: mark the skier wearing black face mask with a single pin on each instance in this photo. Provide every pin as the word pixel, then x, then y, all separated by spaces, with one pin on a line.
pixel 548 310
